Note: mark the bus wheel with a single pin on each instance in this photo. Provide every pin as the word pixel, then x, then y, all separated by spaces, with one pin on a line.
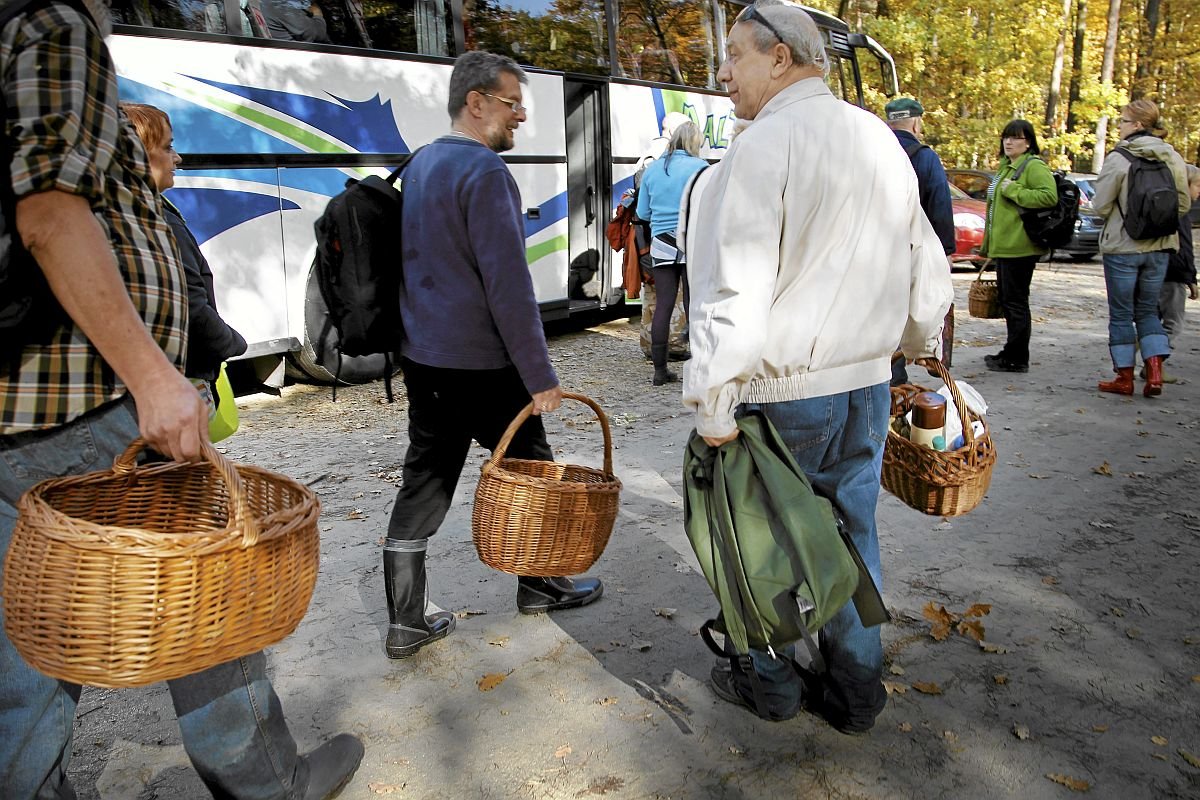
pixel 316 360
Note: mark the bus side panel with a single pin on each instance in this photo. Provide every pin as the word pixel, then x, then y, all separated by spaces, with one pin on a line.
pixel 638 111
pixel 544 214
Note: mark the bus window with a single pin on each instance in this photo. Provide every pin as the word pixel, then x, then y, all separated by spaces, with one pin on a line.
pixel 409 26
pixel 836 78
pixel 571 37
pixel 188 15
pixel 667 41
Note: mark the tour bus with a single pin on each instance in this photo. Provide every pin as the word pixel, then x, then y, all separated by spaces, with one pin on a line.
pixel 271 129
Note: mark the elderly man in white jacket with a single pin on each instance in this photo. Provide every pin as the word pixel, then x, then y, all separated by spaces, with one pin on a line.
pixel 810 258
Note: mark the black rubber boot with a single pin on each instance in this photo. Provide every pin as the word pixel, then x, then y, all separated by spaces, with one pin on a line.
pixel 542 595
pixel 331 766
pixel 404 580
pixel 658 354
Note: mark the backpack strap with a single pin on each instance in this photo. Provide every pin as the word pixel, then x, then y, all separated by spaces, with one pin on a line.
pixel 914 147
pixel 1017 174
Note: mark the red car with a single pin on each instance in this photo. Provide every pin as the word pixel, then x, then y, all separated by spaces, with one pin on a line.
pixel 968 227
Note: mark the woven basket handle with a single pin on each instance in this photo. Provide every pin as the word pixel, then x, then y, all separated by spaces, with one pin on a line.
pixel 964 411
pixel 983 269
pixel 526 412
pixel 240 517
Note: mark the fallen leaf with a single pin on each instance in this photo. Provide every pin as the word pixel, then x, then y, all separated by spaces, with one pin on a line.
pixel 904 727
pixel 737 751
pixel 988 647
pixel 972 629
pixel 1188 757
pixel 896 669
pixel 1161 741
pixel 1190 640
pixel 1103 469
pixel 356 514
pixel 1039 477
pixel 978 610
pixel 1159 756
pixel 1133 633
pixel 1099 729
pixel 469 612
pixel 1074 784
pixel 665 613
pixel 606 701
pixel 1196 679
pixel 384 788
pixel 1021 731
pixel 894 687
pixel 1000 680
pixel 563 751
pixel 499 641
pixel 950 736
pixel 1116 612
pixel 938 614
pixel 927 688
pixel 491 681
pixel 1049 580
pixel 940 631
pixel 641 647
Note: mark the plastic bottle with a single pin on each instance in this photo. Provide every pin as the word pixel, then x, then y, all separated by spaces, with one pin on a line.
pixel 929 420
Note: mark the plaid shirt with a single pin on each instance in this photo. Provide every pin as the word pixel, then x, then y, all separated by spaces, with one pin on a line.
pixel 60 94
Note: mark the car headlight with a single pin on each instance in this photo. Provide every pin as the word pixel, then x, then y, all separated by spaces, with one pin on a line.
pixel 966 219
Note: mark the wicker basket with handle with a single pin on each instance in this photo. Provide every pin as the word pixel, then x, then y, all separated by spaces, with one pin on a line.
pixel 140 574
pixel 941 483
pixel 983 299
pixel 544 518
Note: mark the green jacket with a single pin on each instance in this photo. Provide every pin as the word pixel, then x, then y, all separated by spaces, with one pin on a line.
pixel 1004 235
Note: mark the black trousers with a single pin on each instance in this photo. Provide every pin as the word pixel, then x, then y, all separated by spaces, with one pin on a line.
pixel 666 289
pixel 1013 278
pixel 447 409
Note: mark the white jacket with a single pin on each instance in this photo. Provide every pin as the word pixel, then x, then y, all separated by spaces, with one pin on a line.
pixel 809 259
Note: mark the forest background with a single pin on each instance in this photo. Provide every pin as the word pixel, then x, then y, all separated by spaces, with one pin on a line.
pixel 1067 66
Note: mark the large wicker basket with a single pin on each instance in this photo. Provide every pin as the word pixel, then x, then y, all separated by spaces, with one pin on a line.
pixel 935 482
pixel 983 299
pixel 141 574
pixel 544 518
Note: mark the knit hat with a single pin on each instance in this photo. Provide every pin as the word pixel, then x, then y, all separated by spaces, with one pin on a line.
pixel 903 108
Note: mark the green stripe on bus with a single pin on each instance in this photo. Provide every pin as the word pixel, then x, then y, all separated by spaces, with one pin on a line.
pixel 299 135
pixel 544 249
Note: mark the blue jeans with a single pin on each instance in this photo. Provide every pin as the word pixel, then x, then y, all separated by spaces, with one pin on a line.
pixel 838 441
pixel 1134 282
pixel 231 720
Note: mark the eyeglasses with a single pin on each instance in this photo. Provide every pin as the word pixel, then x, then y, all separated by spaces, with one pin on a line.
pixel 516 107
pixel 1125 121
pixel 753 15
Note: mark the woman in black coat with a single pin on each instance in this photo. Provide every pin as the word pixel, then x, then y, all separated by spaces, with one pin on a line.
pixel 210 339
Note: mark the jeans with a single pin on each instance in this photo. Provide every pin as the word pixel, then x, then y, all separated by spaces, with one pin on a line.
pixel 838 441
pixel 447 408
pixel 1134 282
pixel 231 720
pixel 1013 277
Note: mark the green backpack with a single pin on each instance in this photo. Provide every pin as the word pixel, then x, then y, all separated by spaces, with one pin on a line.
pixel 773 551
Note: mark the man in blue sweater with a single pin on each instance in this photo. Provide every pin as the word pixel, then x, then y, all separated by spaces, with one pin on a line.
pixel 474 353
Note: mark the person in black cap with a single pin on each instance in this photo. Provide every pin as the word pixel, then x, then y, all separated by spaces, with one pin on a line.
pixel 904 118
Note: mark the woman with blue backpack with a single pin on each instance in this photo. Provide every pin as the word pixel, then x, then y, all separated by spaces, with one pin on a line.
pixel 1142 192
pixel 1022 182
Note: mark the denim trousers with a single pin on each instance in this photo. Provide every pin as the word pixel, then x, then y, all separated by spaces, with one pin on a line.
pixel 447 409
pixel 230 717
pixel 1134 282
pixel 838 441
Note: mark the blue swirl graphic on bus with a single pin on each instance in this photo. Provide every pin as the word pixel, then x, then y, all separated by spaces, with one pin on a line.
pixel 211 212
pixel 367 126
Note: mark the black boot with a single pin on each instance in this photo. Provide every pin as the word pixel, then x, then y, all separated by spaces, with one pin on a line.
pixel 404 580
pixel 658 354
pixel 331 766
pixel 541 595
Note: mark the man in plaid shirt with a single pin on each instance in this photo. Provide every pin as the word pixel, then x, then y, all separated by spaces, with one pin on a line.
pixel 87 212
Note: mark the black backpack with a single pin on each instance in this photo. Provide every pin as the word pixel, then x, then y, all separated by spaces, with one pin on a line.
pixel 1054 226
pixel 29 313
pixel 358 270
pixel 1153 202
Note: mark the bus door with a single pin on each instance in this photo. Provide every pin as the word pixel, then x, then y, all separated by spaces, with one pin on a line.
pixel 589 282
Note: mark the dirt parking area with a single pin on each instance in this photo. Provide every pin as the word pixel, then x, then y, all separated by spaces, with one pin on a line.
pixel 1080 564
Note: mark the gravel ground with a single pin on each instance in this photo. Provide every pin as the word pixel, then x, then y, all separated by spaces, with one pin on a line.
pixel 1085 549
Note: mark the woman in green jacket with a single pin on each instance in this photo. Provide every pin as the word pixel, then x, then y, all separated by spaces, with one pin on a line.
pixel 1023 181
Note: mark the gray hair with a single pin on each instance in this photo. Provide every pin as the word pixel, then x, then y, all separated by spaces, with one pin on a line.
pixel 478 71
pixel 1193 174
pixel 795 27
pixel 686 137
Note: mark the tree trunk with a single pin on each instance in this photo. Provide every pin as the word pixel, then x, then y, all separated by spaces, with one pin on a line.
pixel 1076 61
pixel 1142 77
pixel 1106 76
pixel 1056 71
